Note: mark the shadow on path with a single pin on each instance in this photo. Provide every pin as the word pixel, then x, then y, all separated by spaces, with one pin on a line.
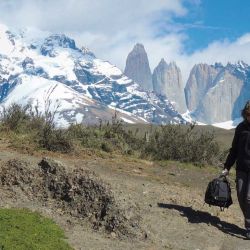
pixel 195 216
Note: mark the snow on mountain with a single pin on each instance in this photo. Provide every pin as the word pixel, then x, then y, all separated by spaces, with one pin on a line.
pixel 6 44
pixel 35 65
pixel 228 124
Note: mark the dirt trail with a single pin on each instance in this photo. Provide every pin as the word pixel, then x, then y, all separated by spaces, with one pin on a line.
pixel 168 199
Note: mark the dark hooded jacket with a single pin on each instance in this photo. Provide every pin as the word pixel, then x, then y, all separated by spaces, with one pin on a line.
pixel 240 150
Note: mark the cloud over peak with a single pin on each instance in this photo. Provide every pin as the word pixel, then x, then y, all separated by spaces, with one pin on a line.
pixel 111 28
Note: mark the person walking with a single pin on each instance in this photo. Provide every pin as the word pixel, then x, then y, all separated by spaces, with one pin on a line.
pixel 240 152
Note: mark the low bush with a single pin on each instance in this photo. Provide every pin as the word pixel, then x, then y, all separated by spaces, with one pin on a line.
pixel 35 127
pixel 175 142
pixel 168 142
pixel 15 117
pixel 52 139
pixel 109 137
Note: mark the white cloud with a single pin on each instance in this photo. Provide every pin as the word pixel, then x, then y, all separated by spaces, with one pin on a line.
pixel 106 16
pixel 110 28
pixel 218 51
pixel 244 40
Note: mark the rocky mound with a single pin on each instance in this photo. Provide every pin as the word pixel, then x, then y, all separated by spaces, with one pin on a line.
pixel 79 193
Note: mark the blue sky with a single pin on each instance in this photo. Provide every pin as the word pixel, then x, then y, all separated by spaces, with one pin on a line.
pixel 185 31
pixel 214 21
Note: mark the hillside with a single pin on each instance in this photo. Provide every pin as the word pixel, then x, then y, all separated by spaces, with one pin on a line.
pixel 167 197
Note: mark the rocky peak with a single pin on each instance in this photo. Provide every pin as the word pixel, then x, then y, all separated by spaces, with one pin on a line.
pixel 87 51
pixel 240 69
pixel 167 80
pixel 56 40
pixel 27 61
pixel 172 64
pixel 139 48
pixel 200 79
pixel 137 67
pixel 218 65
pixel 242 64
pixel 162 62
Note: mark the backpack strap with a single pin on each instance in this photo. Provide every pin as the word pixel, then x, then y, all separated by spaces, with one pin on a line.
pixel 223 208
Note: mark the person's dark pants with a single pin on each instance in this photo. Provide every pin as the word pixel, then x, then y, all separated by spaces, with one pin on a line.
pixel 243 193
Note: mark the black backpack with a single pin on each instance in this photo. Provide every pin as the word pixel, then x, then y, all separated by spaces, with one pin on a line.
pixel 218 193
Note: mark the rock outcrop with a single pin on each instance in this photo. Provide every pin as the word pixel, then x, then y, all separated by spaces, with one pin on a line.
pixel 200 79
pixel 167 80
pixel 137 67
pixel 216 93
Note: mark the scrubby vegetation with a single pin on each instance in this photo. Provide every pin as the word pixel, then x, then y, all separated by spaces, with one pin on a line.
pixel 28 127
pixel 169 142
pixel 21 229
pixel 175 142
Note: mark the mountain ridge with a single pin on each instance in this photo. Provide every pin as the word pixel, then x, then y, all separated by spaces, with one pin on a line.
pixel 54 59
pixel 213 94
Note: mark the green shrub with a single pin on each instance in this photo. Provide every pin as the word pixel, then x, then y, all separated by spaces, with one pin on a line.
pixel 109 137
pixel 24 122
pixel 57 140
pixel 15 117
pixel 106 147
pixel 175 142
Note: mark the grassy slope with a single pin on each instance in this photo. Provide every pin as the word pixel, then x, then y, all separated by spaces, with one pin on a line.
pixel 21 230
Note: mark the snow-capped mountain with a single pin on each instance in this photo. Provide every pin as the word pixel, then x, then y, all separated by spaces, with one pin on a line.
pixel 36 67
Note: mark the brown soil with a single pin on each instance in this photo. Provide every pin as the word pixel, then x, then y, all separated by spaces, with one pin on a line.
pixel 118 203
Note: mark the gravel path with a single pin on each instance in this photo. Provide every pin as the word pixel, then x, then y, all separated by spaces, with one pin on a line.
pixel 169 200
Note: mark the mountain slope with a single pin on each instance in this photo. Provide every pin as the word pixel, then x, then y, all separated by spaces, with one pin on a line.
pixel 32 63
pixel 217 93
